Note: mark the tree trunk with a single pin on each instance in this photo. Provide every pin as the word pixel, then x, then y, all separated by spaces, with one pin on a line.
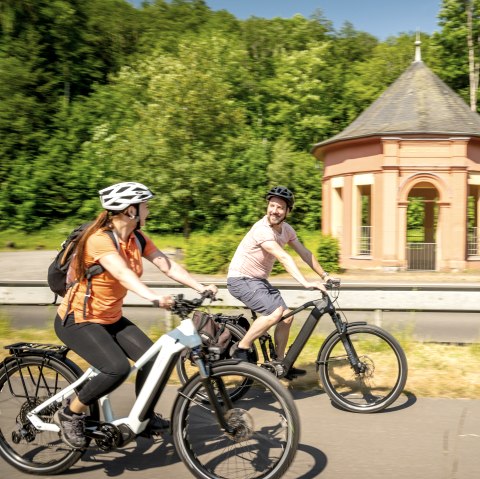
pixel 472 64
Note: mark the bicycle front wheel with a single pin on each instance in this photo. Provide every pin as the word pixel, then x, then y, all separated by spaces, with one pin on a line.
pixel 381 375
pixel 264 423
pixel 25 383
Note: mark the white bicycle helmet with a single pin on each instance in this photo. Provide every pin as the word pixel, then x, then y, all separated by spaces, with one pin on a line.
pixel 121 195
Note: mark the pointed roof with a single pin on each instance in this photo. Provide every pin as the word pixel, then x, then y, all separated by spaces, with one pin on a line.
pixel 418 102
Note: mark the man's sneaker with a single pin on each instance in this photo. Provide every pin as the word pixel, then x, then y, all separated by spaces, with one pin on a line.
pixel 242 354
pixel 72 428
pixel 294 373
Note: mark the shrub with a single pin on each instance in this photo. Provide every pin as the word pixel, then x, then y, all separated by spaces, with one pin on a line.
pixel 328 253
pixel 211 254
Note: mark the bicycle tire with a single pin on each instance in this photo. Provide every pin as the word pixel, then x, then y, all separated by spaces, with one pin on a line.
pixel 21 445
pixel 186 369
pixel 263 448
pixel 385 373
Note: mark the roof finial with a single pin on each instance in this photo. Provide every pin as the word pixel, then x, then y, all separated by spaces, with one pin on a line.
pixel 418 52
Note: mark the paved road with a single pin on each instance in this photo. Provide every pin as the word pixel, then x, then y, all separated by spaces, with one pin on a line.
pixel 414 439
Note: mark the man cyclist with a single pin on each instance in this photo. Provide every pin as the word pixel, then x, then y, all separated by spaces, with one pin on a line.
pixel 252 264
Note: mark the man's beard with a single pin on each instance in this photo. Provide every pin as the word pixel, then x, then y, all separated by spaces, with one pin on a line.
pixel 275 219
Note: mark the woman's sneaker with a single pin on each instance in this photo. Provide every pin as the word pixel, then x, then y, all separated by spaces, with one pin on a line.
pixel 157 425
pixel 72 428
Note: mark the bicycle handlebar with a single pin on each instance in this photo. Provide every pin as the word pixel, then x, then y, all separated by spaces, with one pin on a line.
pixel 332 283
pixel 183 307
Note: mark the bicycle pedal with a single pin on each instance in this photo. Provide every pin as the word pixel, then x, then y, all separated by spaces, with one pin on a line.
pixel 275 367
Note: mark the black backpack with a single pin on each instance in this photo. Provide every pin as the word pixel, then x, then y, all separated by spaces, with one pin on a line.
pixel 58 269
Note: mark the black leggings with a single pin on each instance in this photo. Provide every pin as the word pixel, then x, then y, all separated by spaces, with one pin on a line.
pixel 107 348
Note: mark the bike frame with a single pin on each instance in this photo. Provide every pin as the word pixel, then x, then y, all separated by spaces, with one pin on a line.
pixel 320 307
pixel 167 348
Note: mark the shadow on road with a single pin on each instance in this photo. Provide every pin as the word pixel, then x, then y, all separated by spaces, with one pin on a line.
pixel 140 455
pixel 319 461
pixel 146 454
pixel 405 401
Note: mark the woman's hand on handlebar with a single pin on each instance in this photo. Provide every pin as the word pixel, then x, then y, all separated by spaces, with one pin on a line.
pixel 164 302
pixel 210 291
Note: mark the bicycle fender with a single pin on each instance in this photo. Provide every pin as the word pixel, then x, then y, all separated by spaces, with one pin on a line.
pixel 331 335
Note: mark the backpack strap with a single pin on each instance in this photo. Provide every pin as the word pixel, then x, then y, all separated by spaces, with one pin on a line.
pixel 90 273
pixel 96 269
pixel 141 241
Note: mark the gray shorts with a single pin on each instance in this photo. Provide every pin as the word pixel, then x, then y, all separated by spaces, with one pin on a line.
pixel 256 294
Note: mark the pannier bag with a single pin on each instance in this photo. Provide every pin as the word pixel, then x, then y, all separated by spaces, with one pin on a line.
pixel 211 332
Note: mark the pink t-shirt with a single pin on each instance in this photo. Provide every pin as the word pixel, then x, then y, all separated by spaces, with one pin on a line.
pixel 250 259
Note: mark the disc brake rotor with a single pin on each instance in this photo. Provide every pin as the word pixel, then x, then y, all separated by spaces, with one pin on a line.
pixel 242 424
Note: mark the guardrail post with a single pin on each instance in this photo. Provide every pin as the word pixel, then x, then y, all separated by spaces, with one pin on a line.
pixel 377 317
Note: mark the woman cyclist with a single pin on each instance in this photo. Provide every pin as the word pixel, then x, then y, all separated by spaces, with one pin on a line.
pixel 89 320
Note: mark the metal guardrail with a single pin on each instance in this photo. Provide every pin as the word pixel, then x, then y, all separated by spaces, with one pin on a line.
pixel 353 296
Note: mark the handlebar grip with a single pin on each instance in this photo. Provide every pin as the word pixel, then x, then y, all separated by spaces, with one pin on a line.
pixel 207 294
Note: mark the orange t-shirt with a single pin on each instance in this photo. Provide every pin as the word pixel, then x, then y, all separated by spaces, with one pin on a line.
pixel 104 305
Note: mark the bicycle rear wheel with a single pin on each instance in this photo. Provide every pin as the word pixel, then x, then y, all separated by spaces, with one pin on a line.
pixel 383 369
pixel 265 422
pixel 26 382
pixel 186 368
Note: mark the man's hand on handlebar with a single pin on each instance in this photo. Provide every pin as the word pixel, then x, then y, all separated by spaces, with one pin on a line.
pixel 316 285
pixel 330 283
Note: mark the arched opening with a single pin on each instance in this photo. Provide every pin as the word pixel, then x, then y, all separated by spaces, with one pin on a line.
pixel 422 224
pixel 473 220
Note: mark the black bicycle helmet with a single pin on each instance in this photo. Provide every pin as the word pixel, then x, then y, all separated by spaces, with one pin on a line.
pixel 282 192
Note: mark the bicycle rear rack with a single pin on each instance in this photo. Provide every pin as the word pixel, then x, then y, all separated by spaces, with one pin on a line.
pixel 22 349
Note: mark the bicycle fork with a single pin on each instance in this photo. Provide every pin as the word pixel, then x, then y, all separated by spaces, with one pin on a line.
pixel 357 365
pixel 218 395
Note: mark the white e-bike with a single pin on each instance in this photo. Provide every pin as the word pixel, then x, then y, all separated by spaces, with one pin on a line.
pixel 257 437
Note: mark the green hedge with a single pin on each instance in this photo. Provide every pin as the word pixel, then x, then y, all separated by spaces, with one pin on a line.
pixel 211 254
pixel 328 253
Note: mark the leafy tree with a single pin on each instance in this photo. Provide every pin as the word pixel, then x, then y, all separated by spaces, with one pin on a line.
pixel 178 129
pixel 457 47
pixel 299 172
pixel 297 94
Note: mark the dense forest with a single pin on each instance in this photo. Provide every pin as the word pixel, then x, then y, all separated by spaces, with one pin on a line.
pixel 207 110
